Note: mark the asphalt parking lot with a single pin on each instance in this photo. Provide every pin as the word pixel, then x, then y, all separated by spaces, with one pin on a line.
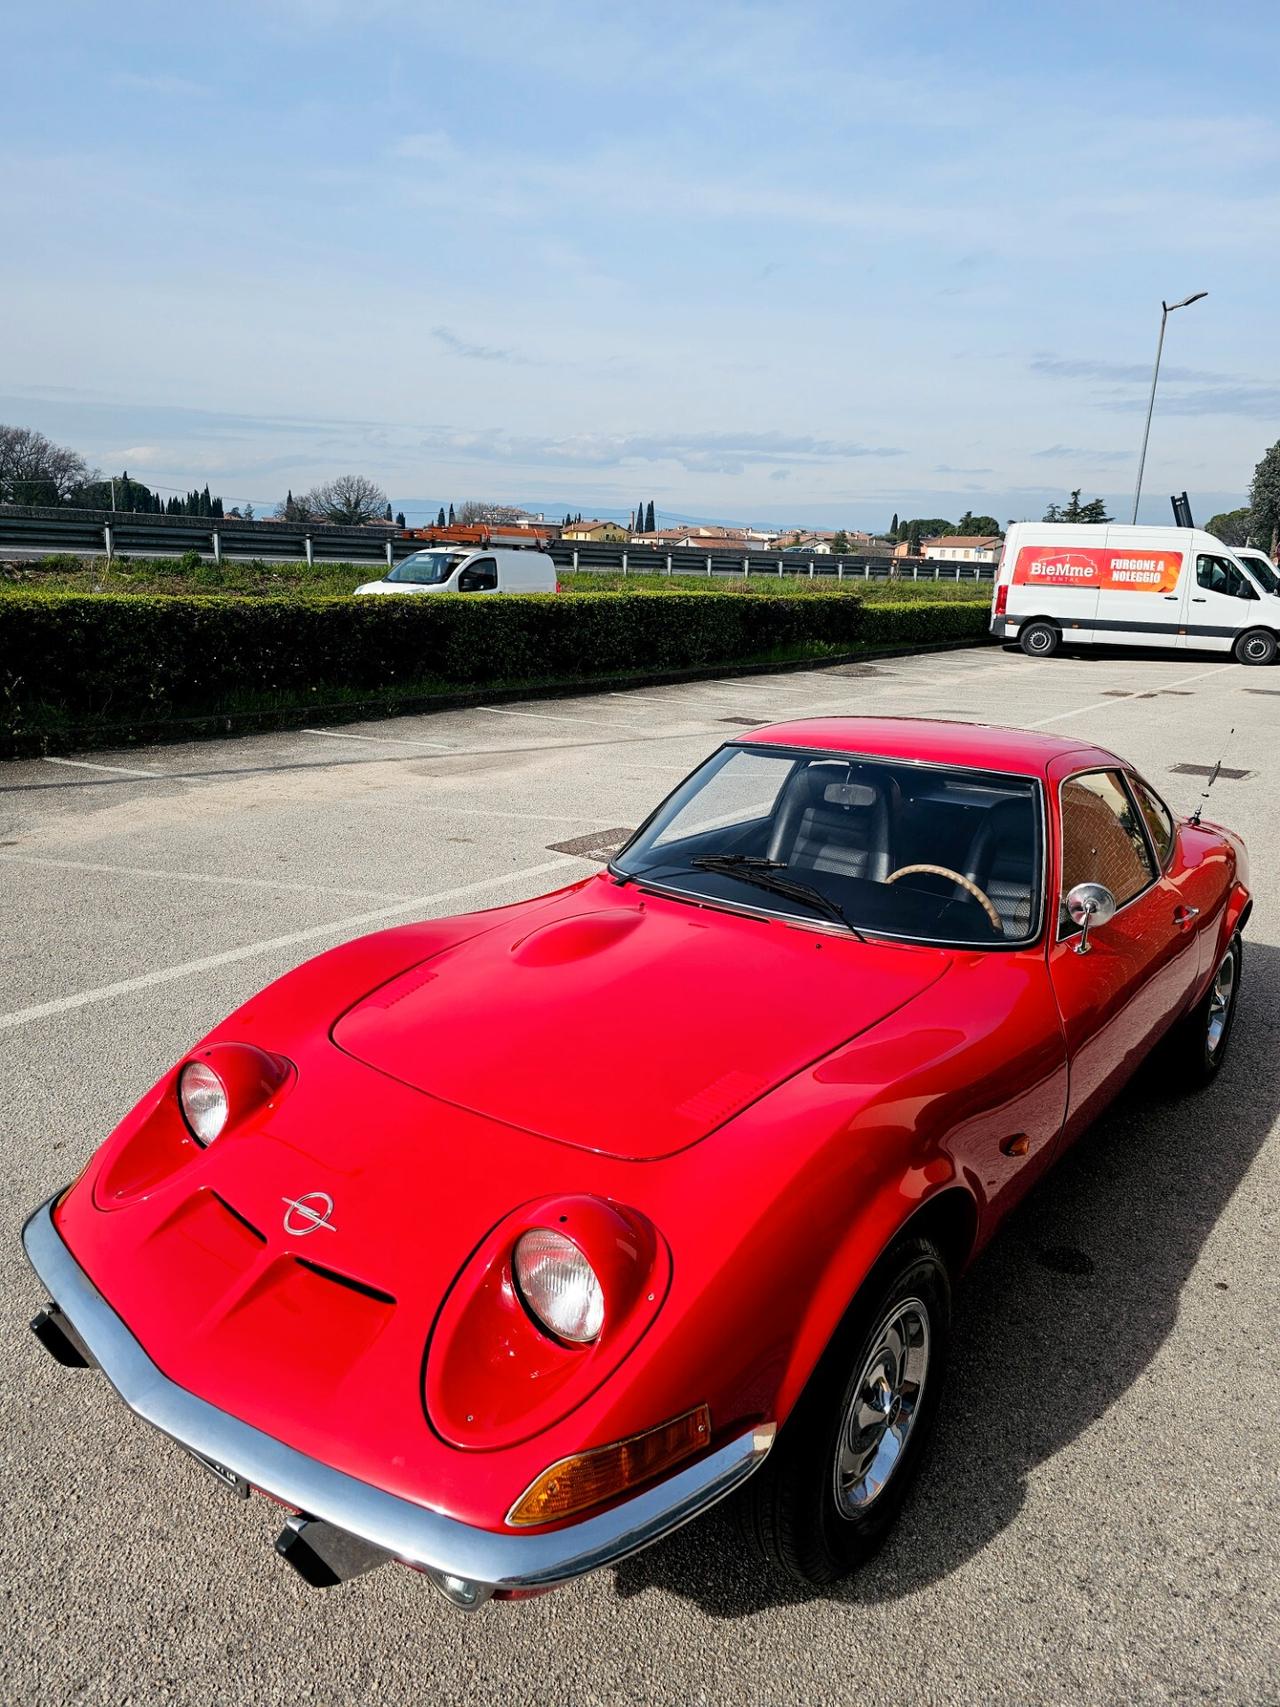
pixel 1100 1521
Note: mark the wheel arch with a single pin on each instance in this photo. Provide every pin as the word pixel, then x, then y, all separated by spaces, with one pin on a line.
pixel 949 1218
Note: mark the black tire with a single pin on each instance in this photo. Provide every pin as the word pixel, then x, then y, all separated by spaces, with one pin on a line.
pixel 790 1513
pixel 1039 639
pixel 1194 1053
pixel 1256 646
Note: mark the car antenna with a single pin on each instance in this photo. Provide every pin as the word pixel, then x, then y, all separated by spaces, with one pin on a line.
pixel 1213 777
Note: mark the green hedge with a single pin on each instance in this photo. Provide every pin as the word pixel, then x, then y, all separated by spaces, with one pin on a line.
pixel 72 663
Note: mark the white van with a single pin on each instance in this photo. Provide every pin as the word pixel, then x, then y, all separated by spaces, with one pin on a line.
pixel 1132 586
pixel 451 569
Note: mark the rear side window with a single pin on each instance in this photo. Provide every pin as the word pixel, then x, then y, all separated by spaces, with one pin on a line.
pixel 1102 837
pixel 1157 817
pixel 1217 575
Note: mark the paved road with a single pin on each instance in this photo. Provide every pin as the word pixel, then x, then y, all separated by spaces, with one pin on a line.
pixel 1100 1522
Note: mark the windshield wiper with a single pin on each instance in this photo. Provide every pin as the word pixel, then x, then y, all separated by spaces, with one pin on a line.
pixel 734 862
pixel 763 873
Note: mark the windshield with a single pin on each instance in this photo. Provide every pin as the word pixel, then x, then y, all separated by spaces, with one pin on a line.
pixel 923 853
pixel 1261 569
pixel 426 568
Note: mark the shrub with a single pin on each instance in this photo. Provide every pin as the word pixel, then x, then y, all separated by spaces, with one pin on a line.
pixel 69 659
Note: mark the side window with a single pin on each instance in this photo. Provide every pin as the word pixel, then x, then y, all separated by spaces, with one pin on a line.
pixel 1102 839
pixel 1216 575
pixel 1157 817
pixel 479 577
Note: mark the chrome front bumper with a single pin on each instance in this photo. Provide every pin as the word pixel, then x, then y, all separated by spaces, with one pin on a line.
pixel 469 1565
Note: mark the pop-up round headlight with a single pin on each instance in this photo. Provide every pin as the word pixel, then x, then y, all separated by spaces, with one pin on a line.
pixel 204 1100
pixel 559 1285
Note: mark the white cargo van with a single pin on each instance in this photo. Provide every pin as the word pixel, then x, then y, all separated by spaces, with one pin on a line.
pixel 454 569
pixel 1132 586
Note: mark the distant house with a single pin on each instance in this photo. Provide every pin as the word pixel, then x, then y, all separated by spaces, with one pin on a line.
pixel 963 547
pixel 599 533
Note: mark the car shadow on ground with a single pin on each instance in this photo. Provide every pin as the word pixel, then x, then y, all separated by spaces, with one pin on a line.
pixel 1054 1322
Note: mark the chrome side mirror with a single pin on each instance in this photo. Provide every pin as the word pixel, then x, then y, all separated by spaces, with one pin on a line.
pixel 1089 905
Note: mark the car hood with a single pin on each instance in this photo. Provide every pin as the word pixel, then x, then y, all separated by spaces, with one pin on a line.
pixel 631 1026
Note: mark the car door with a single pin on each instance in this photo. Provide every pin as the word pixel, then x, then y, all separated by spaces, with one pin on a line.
pixel 1137 975
pixel 1222 601
pixel 481 576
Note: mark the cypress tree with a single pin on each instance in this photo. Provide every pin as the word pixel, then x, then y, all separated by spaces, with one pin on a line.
pixel 440 517
pixel 387 515
pixel 650 523
pixel 450 515
pixel 400 521
pixel 893 526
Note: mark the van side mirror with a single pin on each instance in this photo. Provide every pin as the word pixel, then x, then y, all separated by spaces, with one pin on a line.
pixel 1089 905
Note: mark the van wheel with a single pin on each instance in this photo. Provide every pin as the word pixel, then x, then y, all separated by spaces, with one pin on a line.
pixel 1258 646
pixel 1039 639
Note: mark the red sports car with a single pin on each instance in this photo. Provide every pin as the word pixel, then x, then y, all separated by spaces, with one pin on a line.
pixel 502 1245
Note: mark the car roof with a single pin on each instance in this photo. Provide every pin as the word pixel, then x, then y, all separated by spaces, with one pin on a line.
pixel 931 740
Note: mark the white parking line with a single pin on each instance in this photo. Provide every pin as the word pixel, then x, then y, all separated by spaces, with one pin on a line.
pixel 189 968
pixel 116 770
pixel 378 740
pixel 1119 699
pixel 198 877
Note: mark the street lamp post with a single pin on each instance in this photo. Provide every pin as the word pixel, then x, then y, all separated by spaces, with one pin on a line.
pixel 1167 309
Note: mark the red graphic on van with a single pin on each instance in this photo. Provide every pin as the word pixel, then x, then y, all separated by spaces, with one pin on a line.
pixel 1113 571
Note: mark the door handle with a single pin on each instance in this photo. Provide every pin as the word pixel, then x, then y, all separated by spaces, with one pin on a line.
pixel 1198 601
pixel 1184 916
pixel 1171 598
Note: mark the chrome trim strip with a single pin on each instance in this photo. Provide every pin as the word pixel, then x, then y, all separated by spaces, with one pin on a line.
pixel 410 1532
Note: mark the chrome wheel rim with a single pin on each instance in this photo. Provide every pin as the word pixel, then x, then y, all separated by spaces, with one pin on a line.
pixel 882 1411
pixel 1221 995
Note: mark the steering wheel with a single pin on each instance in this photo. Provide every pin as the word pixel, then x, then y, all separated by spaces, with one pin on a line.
pixel 979 895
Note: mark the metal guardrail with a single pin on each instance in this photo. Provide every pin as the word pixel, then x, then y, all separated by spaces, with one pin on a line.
pixel 36 532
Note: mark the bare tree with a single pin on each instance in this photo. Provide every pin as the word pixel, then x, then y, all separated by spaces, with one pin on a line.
pixel 477 510
pixel 33 470
pixel 351 498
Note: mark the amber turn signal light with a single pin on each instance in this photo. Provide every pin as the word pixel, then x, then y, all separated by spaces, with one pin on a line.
pixel 588 1478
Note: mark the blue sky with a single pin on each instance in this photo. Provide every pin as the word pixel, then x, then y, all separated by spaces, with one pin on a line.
pixel 789 262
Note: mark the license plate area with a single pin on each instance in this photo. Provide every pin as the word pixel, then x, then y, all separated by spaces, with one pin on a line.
pixel 230 1479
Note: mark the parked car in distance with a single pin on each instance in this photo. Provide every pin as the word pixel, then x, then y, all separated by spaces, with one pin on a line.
pixel 450 569
pixel 1133 586
pixel 503 1245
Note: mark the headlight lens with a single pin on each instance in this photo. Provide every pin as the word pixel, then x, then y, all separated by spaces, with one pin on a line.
pixel 559 1285
pixel 204 1100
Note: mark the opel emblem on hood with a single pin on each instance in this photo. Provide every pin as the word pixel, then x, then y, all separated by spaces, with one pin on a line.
pixel 304 1214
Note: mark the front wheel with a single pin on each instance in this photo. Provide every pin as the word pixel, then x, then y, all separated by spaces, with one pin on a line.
pixel 1039 639
pixel 1257 646
pixel 836 1479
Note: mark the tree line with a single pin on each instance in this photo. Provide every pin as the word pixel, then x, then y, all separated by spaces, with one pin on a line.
pixel 34 470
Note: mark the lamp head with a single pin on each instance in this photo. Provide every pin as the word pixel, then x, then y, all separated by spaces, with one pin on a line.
pixel 1185 303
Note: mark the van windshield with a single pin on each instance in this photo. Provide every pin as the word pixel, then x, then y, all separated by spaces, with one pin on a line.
pixel 922 853
pixel 426 568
